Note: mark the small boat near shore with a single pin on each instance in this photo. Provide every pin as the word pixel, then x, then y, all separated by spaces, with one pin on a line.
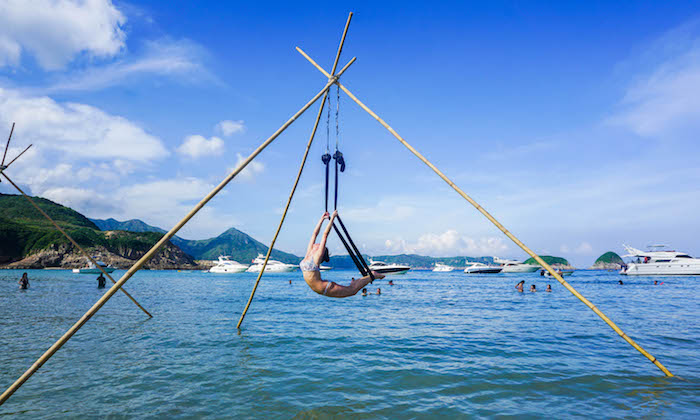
pixel 563 273
pixel 92 268
pixel 443 268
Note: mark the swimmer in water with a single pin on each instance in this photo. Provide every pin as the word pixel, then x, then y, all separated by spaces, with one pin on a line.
pixel 379 291
pixel 101 282
pixel 549 288
pixel 620 282
pixel 364 292
pixel 24 282
pixel 317 254
pixel 519 286
pixel 391 282
pixel 532 288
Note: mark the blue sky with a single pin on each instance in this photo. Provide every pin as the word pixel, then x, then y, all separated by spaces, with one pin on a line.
pixel 575 124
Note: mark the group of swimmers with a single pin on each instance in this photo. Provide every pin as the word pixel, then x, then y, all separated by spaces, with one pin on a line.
pixel 520 287
pixel 24 282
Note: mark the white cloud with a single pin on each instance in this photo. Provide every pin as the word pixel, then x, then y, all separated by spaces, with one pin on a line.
pixel 76 130
pixel 169 58
pixel 448 243
pixel 585 248
pixel 197 146
pixel 664 102
pixel 56 31
pixel 228 127
pixel 253 169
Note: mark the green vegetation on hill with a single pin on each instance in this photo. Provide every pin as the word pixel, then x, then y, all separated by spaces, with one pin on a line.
pixel 24 231
pixel 133 225
pixel 234 243
pixel 240 246
pixel 549 260
pixel 609 258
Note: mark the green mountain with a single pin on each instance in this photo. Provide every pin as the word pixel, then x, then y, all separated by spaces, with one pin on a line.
pixel 24 232
pixel 609 258
pixel 133 225
pixel 240 246
pixel 549 260
pixel 234 243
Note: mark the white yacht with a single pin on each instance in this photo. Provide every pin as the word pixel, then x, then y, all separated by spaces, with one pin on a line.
pixel 92 268
pixel 384 268
pixel 442 267
pixel 659 262
pixel 562 273
pixel 272 266
pixel 480 268
pixel 227 265
pixel 512 266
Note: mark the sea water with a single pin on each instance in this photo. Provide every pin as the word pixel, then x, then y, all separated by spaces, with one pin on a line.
pixel 434 345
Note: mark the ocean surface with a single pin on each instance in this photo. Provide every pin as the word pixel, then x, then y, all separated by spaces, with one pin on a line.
pixel 434 345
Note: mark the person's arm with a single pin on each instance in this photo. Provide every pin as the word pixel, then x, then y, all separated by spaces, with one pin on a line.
pixel 317 229
pixel 326 232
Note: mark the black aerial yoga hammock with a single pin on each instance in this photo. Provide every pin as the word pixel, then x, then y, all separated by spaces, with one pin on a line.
pixel 347 241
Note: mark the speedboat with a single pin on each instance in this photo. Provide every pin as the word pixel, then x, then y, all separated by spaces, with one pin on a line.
pixel 92 268
pixel 512 266
pixel 227 265
pixel 659 262
pixel 442 267
pixel 384 268
pixel 272 266
pixel 480 268
pixel 324 267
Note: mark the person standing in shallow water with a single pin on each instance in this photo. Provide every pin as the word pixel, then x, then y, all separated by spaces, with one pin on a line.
pixel 549 288
pixel 24 282
pixel 317 254
pixel 532 288
pixel 101 282
pixel 519 286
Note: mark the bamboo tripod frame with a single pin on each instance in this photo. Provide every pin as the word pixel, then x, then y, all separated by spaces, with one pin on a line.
pixel 296 181
pixel 332 79
pixel 139 264
pixel 502 228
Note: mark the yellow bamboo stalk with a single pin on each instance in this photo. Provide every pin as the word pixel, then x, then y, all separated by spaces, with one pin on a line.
pixel 96 307
pixel 296 181
pixel 82 251
pixel 502 228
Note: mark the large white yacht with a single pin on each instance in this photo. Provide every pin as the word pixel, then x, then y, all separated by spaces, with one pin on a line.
pixel 659 262
pixel 480 268
pixel 272 266
pixel 384 268
pixel 227 265
pixel 443 267
pixel 512 266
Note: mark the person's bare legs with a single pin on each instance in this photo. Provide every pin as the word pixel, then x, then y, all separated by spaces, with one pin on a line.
pixel 339 291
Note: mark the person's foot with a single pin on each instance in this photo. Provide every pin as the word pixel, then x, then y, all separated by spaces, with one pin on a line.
pixel 378 275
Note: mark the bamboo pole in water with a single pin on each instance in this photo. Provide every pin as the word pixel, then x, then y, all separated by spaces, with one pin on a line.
pixel 82 251
pixel 96 307
pixel 502 228
pixel 296 181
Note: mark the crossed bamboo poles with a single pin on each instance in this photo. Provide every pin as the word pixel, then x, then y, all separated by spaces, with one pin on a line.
pixel 332 79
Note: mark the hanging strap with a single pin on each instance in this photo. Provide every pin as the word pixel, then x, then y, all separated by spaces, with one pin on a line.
pixel 365 268
pixel 326 160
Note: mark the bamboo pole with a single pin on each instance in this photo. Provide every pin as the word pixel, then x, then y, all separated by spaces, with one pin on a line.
pixel 7 146
pixel 296 181
pixel 82 251
pixel 96 307
pixel 502 228
pixel 2 168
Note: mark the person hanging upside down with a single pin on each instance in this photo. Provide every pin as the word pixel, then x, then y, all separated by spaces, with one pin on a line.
pixel 317 254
